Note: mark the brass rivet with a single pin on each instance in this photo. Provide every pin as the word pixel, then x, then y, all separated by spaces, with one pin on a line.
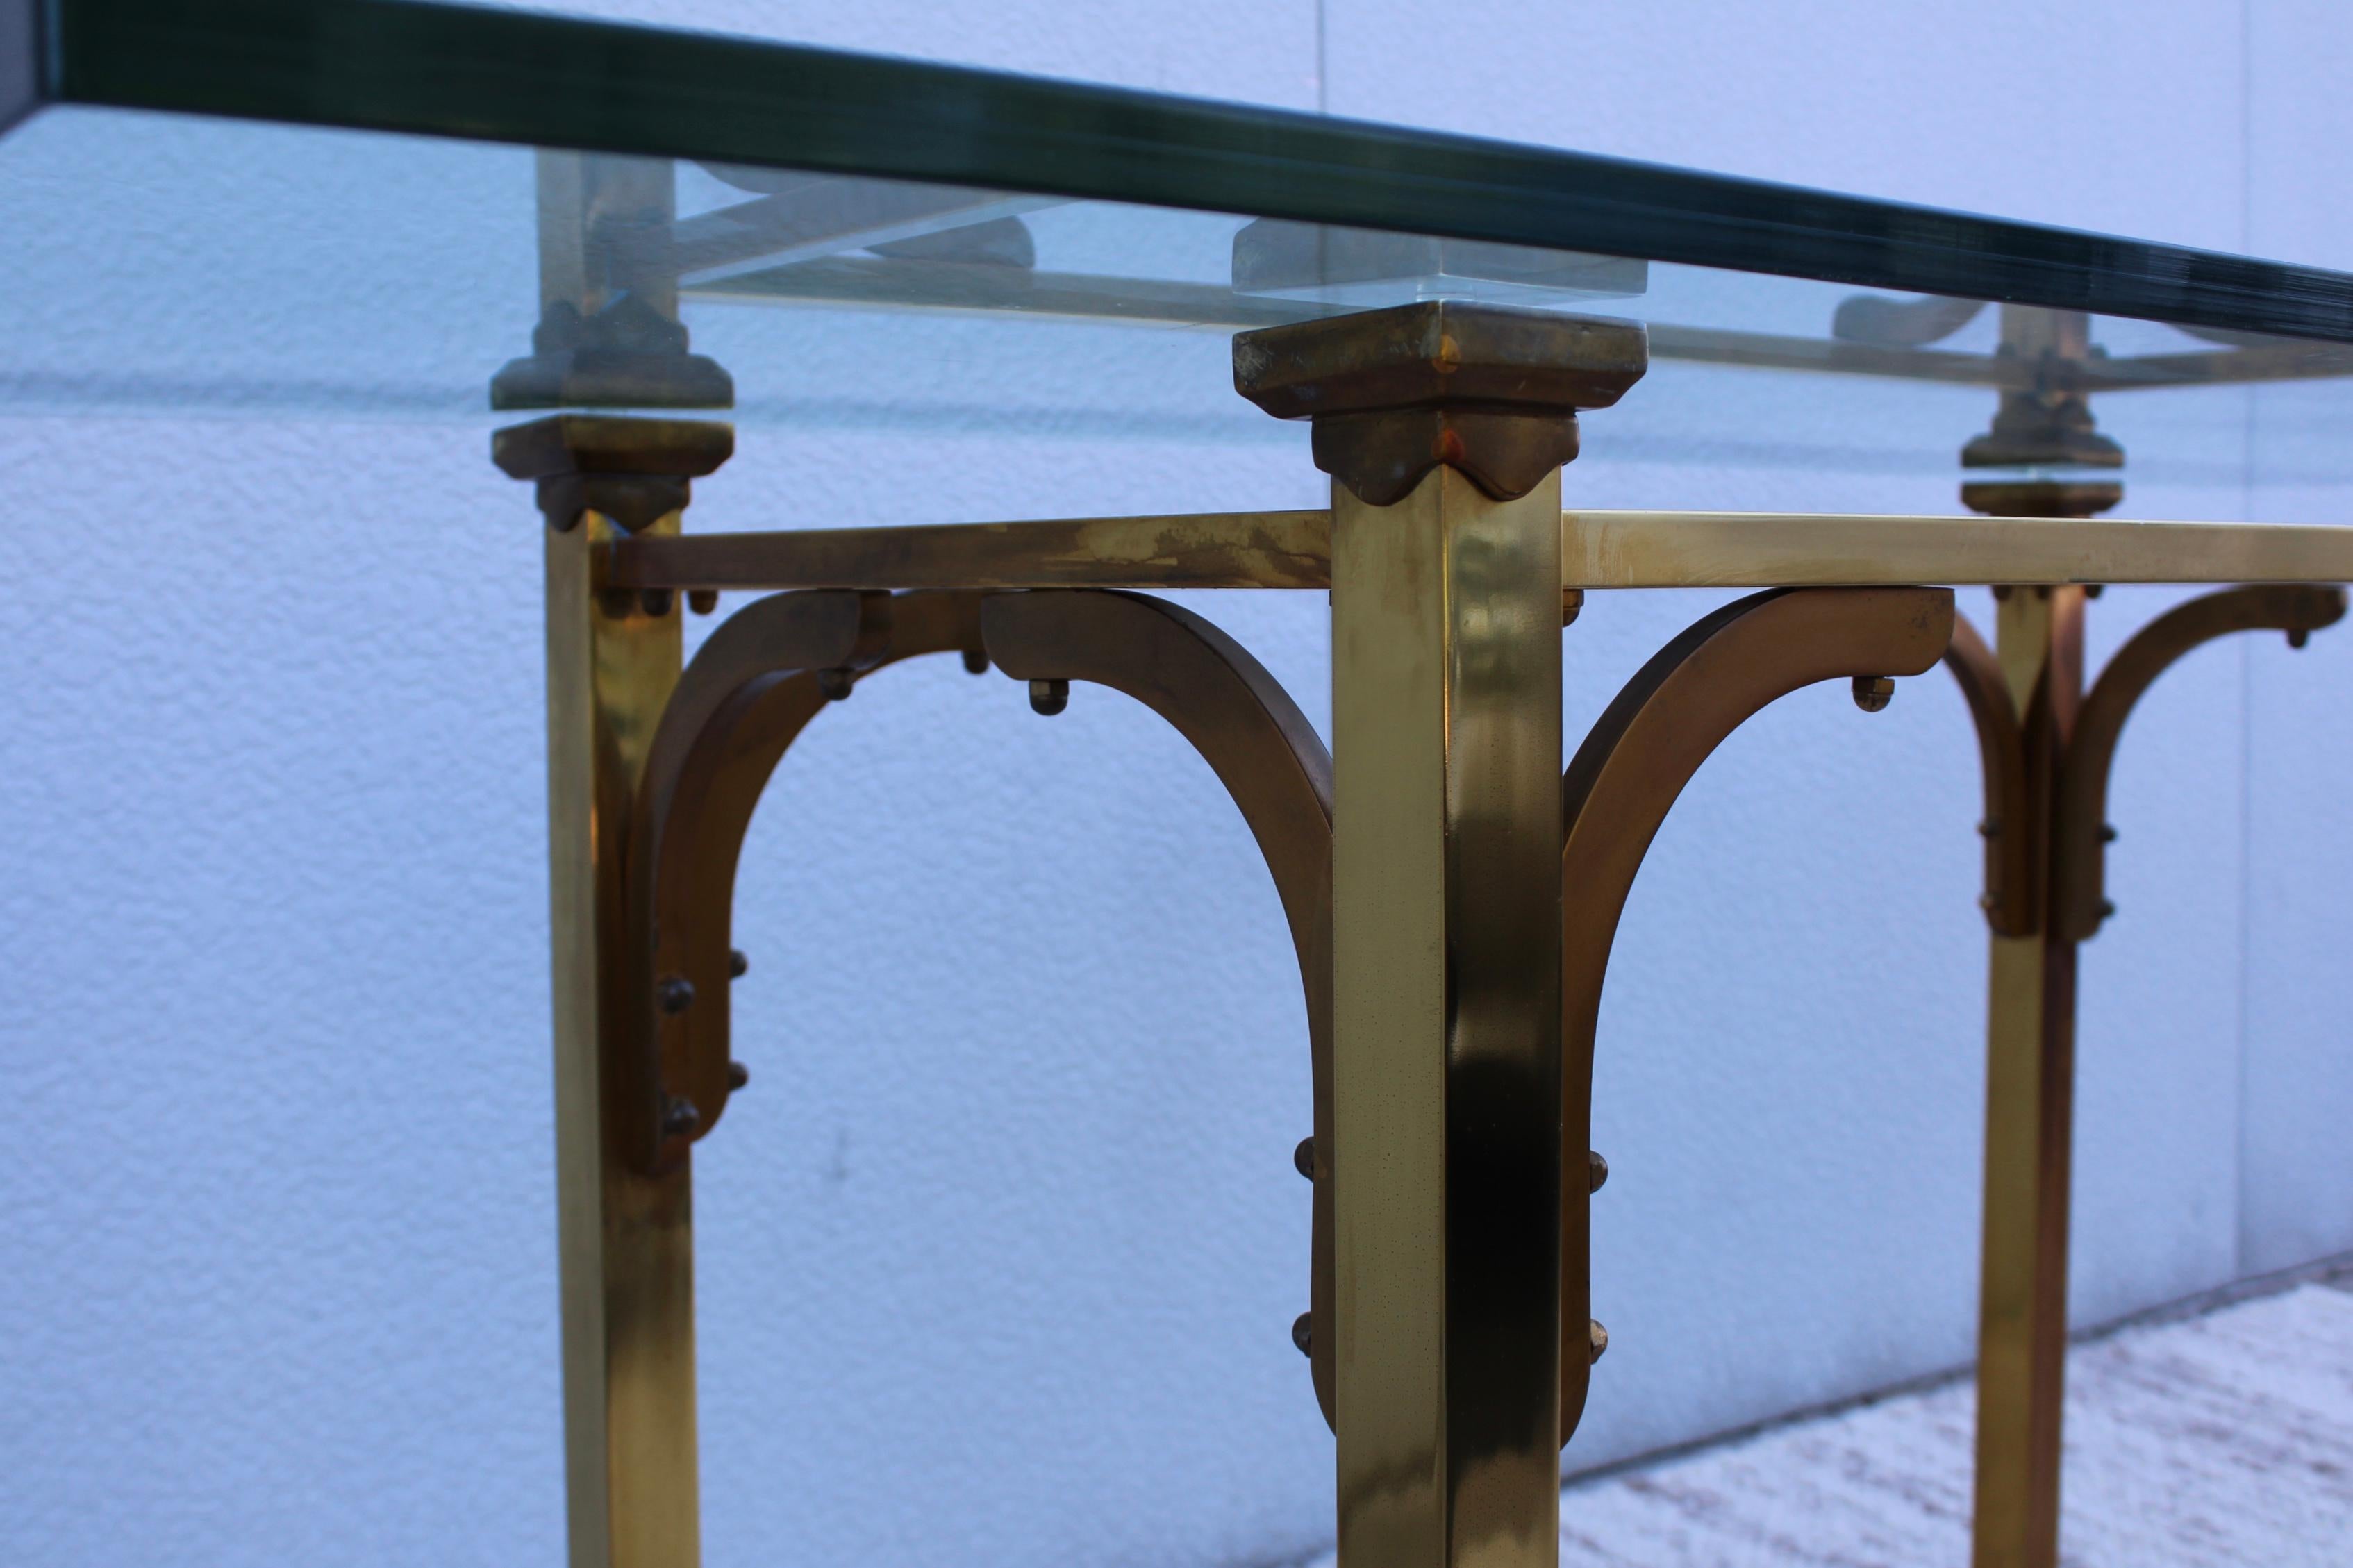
pixel 2107 833
pixel 1048 697
pixel 738 964
pixel 702 601
pixel 2091 590
pixel 680 1118
pixel 656 602
pixel 1874 692
pixel 1990 827
pixel 1989 902
pixel 1302 1333
pixel 1598 1336
pixel 1302 1159
pixel 2107 908
pixel 675 994
pixel 835 684
pixel 976 661
pixel 1572 605
pixel 1597 1170
pixel 2298 635
pixel 738 1075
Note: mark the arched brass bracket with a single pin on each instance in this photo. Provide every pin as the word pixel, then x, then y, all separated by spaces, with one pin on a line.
pixel 766 673
pixel 2012 900
pixel 1624 779
pixel 1273 763
pixel 2080 831
pixel 756 684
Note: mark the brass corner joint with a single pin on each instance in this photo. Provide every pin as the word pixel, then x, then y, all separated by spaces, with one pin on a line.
pixel 1489 391
pixel 633 470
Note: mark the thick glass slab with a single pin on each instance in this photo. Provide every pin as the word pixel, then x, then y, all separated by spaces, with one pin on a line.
pixel 262 253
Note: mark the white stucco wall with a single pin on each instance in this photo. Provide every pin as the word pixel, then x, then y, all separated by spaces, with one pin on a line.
pixel 999 1251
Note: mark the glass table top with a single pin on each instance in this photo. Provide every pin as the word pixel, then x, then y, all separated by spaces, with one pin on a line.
pixel 339 209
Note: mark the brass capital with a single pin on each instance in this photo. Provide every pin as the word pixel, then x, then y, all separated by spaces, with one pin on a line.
pixel 632 470
pixel 1490 391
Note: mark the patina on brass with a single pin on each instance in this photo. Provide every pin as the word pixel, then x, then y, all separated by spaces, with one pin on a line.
pixel 1598 550
pixel 751 689
pixel 634 471
pixel 1394 394
pixel 1626 777
pixel 762 675
pixel 1443 427
pixel 1792 550
pixel 1215 549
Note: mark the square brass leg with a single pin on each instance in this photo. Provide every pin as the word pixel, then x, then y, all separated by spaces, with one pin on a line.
pixel 2029 1114
pixel 626 1239
pixel 1446 1046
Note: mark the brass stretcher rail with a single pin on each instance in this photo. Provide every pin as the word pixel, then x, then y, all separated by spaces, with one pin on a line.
pixel 1598 550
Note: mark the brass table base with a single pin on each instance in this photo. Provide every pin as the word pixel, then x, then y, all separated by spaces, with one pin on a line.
pixel 1452 970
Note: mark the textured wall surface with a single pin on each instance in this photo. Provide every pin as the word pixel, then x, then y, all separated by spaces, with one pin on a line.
pixel 999 1252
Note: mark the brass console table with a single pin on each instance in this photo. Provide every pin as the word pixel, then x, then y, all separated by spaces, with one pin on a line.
pixel 1443 313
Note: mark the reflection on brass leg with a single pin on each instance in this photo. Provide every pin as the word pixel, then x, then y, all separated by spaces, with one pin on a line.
pixel 2030 1110
pixel 627 1238
pixel 1443 427
pixel 608 338
pixel 1446 731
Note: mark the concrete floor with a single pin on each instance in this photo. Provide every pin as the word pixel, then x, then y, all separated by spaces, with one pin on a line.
pixel 2217 1435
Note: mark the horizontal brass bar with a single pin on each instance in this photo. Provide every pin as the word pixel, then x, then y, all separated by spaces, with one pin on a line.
pixel 1599 550
pixel 1213 550
pixel 1789 550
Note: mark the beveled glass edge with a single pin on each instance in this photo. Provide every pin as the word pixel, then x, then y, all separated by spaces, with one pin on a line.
pixel 411 66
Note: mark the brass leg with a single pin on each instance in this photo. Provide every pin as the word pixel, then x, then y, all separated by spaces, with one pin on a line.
pixel 1446 731
pixel 2046 780
pixel 627 1237
pixel 608 336
pixel 2030 1110
pixel 1444 427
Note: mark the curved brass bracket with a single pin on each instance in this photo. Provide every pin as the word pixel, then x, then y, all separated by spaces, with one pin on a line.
pixel 2080 831
pixel 2012 900
pixel 1273 763
pixel 750 692
pixel 767 671
pixel 1624 779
